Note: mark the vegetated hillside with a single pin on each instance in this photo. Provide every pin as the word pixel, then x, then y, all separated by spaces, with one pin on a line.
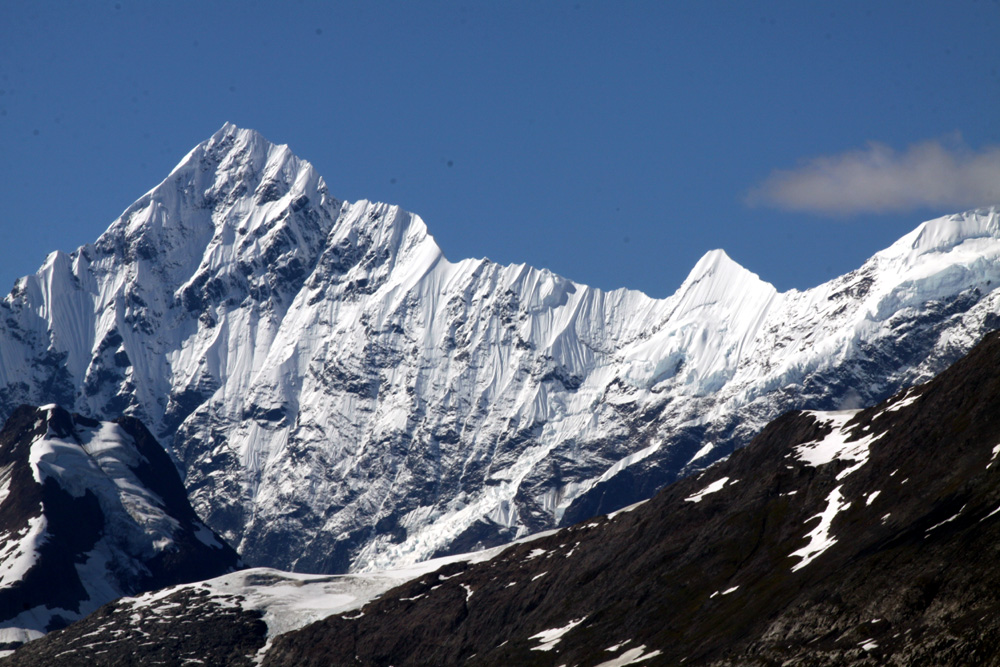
pixel 342 397
pixel 90 511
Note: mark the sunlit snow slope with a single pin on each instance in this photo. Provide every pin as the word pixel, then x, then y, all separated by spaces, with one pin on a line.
pixel 340 396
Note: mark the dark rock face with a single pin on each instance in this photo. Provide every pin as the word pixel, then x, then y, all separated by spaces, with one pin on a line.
pixel 888 557
pixel 90 511
pixel 191 628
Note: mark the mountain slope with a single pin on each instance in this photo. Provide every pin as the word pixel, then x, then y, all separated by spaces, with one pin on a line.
pixel 340 396
pixel 857 537
pixel 229 620
pixel 90 511
pixel 849 538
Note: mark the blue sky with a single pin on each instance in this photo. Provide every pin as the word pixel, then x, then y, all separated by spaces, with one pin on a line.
pixel 612 142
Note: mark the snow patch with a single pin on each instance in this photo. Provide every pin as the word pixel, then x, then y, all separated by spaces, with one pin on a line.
pixel 710 489
pixel 204 535
pixel 549 638
pixel 948 520
pixel 28 625
pixel 835 446
pixel 5 475
pixel 993 458
pixel 13 568
pixel 289 600
pixel 820 538
pixel 725 592
pixel 624 510
pixel 705 449
pixel 632 656
pixel 908 398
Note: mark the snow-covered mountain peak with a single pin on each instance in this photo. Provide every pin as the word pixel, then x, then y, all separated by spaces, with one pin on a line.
pixel 720 292
pixel 103 459
pixel 341 396
pixel 233 195
pixel 718 278
pixel 245 155
pixel 944 234
pixel 712 262
pixel 948 259
pixel 230 130
pixel 713 317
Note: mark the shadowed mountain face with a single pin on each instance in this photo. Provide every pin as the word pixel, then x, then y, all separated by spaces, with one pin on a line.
pixel 340 396
pixel 861 537
pixel 90 511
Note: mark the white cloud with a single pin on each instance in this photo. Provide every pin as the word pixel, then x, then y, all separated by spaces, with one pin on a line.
pixel 877 179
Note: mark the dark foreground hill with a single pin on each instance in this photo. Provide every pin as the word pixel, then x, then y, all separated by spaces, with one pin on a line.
pixel 866 537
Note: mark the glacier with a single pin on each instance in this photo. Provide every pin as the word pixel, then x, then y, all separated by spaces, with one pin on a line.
pixel 341 397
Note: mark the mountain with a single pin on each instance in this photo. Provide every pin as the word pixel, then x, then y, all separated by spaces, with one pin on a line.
pixel 856 537
pixel 229 620
pixel 853 537
pixel 90 511
pixel 339 396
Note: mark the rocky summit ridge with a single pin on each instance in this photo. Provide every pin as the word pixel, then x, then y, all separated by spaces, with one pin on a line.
pixel 340 396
